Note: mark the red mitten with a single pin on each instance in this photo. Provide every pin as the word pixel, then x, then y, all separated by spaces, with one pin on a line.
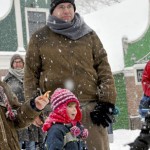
pixel 85 133
pixel 75 131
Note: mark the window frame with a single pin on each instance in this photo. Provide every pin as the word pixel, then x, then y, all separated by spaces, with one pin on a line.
pixel 138 68
pixel 27 9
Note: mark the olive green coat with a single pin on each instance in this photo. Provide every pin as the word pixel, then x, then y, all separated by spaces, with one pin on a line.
pixel 25 116
pixel 51 59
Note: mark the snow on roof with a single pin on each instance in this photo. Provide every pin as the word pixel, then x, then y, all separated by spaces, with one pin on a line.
pixel 5 7
pixel 129 18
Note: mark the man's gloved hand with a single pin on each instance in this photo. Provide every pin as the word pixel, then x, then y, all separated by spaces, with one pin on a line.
pixel 101 113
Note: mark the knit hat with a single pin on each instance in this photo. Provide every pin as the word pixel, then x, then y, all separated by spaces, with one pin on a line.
pixel 59 101
pixel 14 57
pixel 54 3
pixel 61 96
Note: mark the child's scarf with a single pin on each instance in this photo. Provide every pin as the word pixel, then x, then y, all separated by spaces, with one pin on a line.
pixel 59 115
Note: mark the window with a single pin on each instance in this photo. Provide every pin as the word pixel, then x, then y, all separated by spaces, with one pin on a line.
pixel 139 74
pixel 35 19
pixel 138 70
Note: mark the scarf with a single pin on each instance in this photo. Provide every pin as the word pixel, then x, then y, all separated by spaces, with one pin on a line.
pixel 11 113
pixel 18 73
pixel 59 115
pixel 72 30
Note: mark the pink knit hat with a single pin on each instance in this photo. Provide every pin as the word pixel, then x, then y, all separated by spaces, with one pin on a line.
pixel 61 96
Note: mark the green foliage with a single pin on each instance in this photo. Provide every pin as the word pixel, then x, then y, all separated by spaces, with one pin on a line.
pixel 122 121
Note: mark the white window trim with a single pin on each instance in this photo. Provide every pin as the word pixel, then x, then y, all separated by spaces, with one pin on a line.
pixel 136 67
pixel 33 10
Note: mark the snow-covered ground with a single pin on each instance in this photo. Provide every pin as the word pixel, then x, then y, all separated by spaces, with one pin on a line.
pixel 123 137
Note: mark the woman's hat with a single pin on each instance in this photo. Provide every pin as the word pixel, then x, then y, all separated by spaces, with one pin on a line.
pixel 14 57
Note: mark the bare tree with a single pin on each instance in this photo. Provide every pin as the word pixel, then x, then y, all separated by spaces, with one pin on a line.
pixel 88 6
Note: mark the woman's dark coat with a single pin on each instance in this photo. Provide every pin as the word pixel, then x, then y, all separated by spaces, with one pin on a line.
pixel 30 133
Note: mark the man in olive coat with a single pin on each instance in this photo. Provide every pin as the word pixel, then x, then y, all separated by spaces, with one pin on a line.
pixel 67 53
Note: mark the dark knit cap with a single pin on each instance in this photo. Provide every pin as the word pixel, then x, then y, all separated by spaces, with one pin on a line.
pixel 14 57
pixel 54 3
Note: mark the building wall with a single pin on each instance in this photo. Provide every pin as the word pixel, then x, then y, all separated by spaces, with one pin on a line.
pixel 8 33
pixel 134 94
pixel 122 120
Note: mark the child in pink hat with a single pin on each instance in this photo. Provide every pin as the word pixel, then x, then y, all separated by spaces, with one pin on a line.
pixel 63 125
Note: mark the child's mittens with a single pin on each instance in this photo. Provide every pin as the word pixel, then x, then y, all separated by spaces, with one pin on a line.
pixel 75 131
pixel 85 133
